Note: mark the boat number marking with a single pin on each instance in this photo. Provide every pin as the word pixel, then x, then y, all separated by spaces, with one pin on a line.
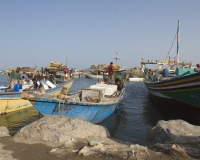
pixel 63 108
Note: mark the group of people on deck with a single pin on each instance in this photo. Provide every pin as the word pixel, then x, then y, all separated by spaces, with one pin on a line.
pixel 16 78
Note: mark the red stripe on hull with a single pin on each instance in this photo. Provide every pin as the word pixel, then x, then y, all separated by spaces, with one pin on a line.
pixel 180 106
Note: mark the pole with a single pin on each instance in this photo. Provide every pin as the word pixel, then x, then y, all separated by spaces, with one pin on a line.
pixel 178 39
pixel 116 58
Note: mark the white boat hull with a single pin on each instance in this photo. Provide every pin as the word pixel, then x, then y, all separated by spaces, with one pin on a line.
pixel 136 79
pixel 94 76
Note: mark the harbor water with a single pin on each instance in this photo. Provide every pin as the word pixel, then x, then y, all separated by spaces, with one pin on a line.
pixel 135 114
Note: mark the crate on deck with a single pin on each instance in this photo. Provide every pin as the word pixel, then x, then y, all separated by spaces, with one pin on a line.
pixel 91 95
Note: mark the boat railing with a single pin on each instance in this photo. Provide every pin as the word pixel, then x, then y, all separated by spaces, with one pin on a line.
pixel 185 73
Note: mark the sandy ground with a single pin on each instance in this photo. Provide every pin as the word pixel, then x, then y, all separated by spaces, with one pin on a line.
pixel 10 150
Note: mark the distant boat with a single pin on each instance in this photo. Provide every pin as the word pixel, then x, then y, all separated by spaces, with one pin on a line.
pixel 180 92
pixel 93 104
pixel 136 75
pixel 92 76
pixel 136 79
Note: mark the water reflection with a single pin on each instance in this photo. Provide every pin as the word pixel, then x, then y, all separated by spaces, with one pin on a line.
pixel 114 122
pixel 155 112
pixel 15 120
pixel 130 126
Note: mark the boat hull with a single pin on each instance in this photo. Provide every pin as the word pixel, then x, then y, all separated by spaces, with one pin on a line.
pixel 11 101
pixel 178 106
pixel 181 93
pixel 89 112
pixel 93 76
pixel 135 79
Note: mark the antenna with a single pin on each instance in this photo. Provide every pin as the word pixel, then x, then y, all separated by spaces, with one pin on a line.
pixel 117 58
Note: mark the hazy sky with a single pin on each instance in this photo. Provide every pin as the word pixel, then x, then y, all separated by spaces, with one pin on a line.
pixel 35 32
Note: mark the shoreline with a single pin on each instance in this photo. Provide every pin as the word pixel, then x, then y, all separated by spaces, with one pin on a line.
pixel 21 151
pixel 47 139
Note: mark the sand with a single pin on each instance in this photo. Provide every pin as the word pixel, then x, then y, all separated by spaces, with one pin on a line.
pixel 10 150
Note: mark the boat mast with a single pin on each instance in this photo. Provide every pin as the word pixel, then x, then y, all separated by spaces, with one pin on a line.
pixel 178 39
pixel 116 58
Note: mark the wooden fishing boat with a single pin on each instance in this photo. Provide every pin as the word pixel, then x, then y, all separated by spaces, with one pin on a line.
pixel 92 104
pixel 180 92
pixel 11 101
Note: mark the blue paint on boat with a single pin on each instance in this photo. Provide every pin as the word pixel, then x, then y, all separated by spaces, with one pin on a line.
pixel 92 113
pixel 88 111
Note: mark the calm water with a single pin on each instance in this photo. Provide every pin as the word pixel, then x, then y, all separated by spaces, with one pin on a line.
pixel 135 114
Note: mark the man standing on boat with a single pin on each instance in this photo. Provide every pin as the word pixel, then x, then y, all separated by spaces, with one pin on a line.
pixel 110 73
pixel 14 78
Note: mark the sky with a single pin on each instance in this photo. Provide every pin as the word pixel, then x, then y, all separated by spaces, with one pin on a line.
pixel 80 33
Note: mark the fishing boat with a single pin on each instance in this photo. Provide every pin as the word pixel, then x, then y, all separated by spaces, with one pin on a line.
pixel 92 104
pixel 180 92
pixel 11 101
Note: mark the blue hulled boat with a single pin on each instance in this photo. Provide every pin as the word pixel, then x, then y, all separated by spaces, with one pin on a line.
pixel 92 104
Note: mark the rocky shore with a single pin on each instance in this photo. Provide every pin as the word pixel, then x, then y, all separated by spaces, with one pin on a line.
pixel 57 137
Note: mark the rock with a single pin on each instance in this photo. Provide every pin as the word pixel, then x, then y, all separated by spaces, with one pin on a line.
pixel 178 151
pixel 75 150
pixel 178 132
pixel 116 149
pixel 85 151
pixel 54 150
pixel 93 141
pixel 70 142
pixel 4 131
pixel 59 130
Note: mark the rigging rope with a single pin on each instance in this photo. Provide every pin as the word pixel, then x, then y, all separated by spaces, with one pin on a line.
pixel 171 46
